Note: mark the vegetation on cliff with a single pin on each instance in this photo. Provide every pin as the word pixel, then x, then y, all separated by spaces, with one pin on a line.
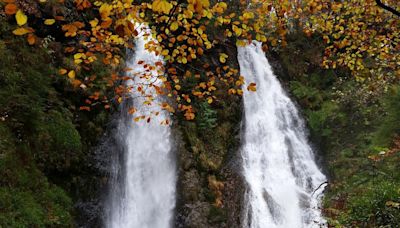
pixel 45 139
pixel 355 126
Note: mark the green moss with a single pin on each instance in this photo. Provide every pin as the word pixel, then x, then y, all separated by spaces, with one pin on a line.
pixel 389 126
pixel 44 140
pixel 217 215
pixel 27 199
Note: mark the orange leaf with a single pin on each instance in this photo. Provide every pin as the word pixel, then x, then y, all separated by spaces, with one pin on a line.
pixel 69 49
pixel 106 23
pixel 62 71
pixel 59 18
pixel 10 9
pixel 22 31
pixel 252 87
pixel 78 24
pixel 84 108
pixel 31 39
pixel 132 111
pixel 76 83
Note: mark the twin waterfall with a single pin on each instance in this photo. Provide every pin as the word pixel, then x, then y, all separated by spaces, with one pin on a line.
pixel 278 164
pixel 145 196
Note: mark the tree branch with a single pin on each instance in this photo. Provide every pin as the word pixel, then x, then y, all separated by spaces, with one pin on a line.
pixel 326 182
pixel 388 8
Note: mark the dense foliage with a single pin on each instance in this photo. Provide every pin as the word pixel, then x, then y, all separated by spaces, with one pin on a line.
pixel 358 35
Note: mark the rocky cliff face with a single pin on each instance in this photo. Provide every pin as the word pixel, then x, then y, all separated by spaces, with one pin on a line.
pixel 210 186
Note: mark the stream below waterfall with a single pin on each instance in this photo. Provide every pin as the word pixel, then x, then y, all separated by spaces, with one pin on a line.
pixel 278 164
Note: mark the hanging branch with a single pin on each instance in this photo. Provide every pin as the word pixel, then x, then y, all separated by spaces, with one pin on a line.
pixel 388 8
pixel 326 182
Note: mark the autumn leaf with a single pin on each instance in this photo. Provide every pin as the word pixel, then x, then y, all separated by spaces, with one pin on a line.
pixel 237 30
pixel 82 4
pixel 71 74
pixel 49 21
pixel 222 57
pixel 105 10
pixel 70 30
pixel 31 39
pixel 10 9
pixel 22 31
pixel 161 6
pixel 252 87
pixel 84 108
pixel 174 26
pixel 248 15
pixel 21 18
pixel 132 110
pixel 62 71
pixel 94 22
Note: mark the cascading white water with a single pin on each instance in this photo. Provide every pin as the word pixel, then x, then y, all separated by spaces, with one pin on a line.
pixel 144 197
pixel 284 182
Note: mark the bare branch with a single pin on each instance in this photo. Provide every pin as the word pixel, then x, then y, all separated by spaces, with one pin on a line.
pixel 388 8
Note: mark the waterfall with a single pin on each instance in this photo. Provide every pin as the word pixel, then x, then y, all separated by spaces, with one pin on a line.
pixel 143 190
pixel 284 182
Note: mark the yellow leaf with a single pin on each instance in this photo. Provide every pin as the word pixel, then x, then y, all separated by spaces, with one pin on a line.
pixel 161 6
pixel 49 21
pixel 21 18
pixel 165 52
pixel 248 15
pixel 105 10
pixel 209 100
pixel 79 55
pixel 222 57
pixel 22 31
pixel 240 43
pixel 94 22
pixel 174 26
pixel 184 60
pixel 237 30
pixel 71 74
